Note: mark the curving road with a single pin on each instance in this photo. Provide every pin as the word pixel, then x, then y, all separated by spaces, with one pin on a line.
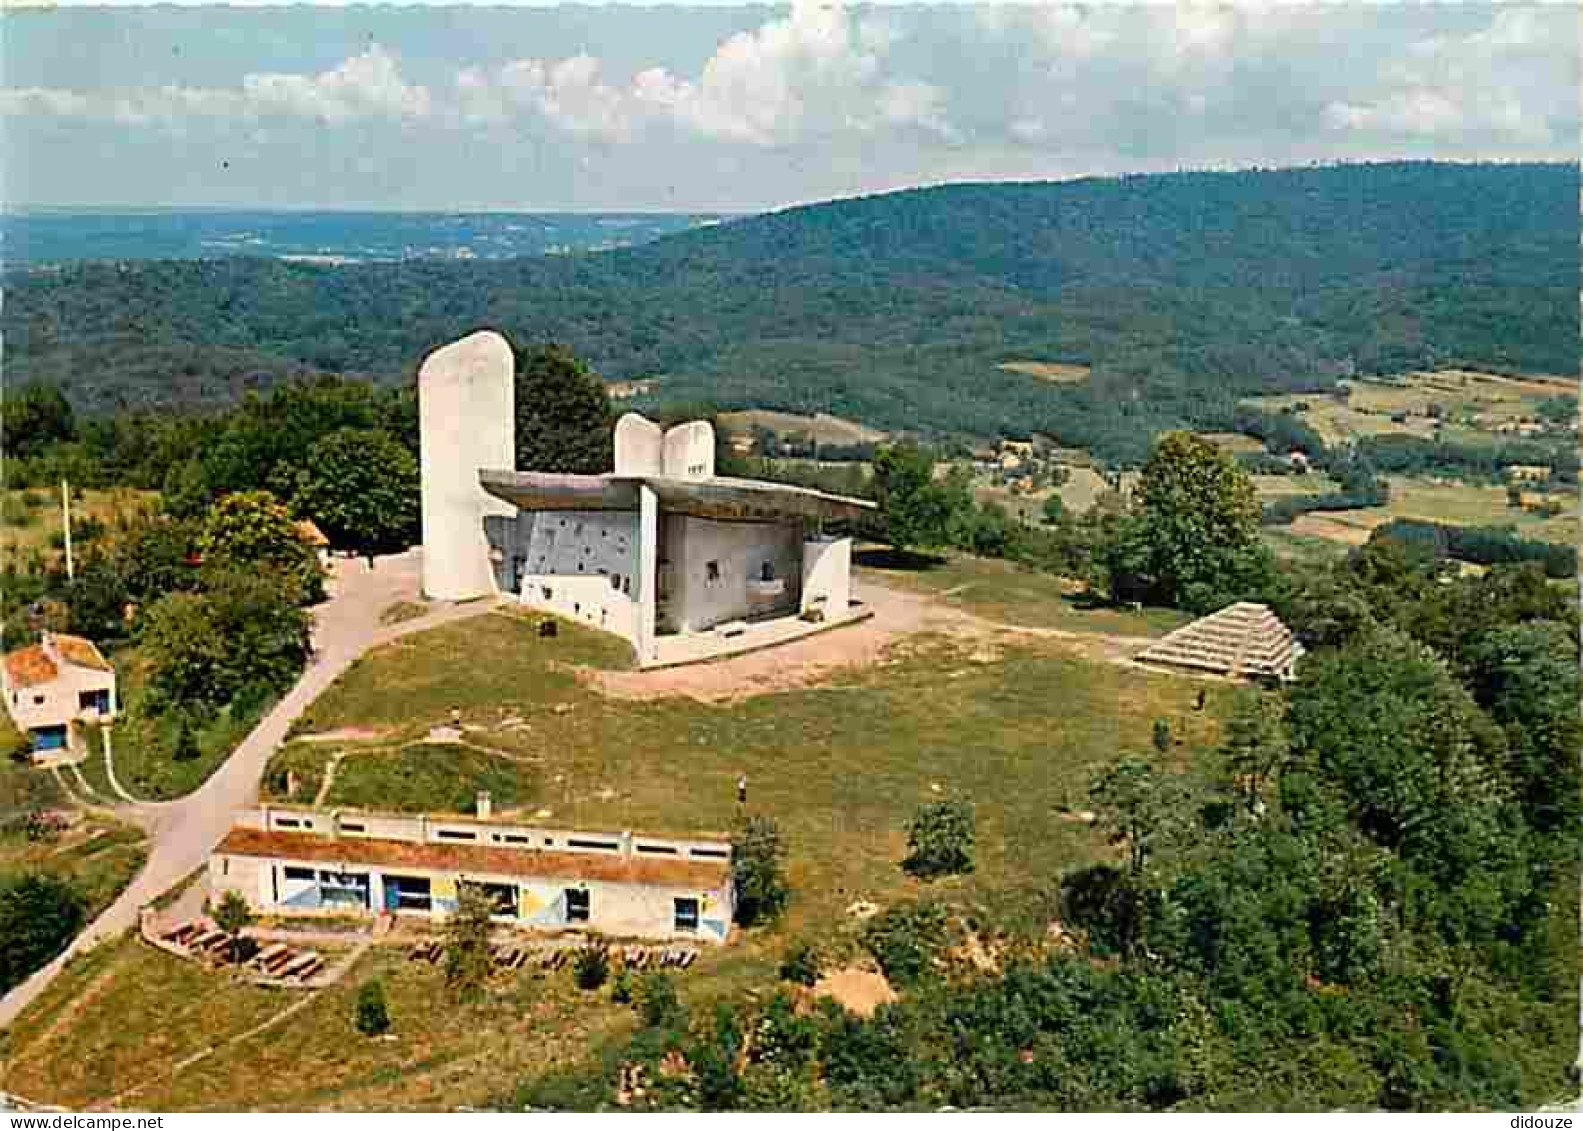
pixel 182 833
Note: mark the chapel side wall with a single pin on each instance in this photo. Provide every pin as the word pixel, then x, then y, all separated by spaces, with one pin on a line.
pixel 739 551
pixel 827 575
pixel 582 565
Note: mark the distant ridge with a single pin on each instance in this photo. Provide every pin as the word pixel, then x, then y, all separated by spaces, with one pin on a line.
pixel 1183 293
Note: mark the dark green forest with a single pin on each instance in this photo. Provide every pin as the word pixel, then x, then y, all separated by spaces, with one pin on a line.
pixel 1184 292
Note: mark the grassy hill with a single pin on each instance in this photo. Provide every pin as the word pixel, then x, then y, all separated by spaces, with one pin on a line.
pixel 1182 292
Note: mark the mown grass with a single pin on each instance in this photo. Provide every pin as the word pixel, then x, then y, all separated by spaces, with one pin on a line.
pixel 153 1010
pixel 842 766
pixel 1010 594
pixel 431 777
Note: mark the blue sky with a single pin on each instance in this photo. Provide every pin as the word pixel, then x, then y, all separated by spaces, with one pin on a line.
pixel 744 108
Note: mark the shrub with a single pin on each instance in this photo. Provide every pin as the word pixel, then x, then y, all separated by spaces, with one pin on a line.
pixel 907 938
pixel 758 870
pixel 591 966
pixel 467 961
pixel 372 1015
pixel 940 841
pixel 186 743
pixel 39 915
pixel 621 987
pixel 801 964
pixel 661 1007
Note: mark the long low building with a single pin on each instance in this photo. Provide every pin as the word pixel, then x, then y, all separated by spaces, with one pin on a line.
pixel 290 861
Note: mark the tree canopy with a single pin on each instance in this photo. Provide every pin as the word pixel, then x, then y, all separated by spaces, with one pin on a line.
pixel 563 413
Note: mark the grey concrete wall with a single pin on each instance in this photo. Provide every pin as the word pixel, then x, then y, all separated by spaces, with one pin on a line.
pixel 715 567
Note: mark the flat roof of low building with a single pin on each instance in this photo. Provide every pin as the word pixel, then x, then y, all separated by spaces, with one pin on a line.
pixel 526 863
pixel 718 496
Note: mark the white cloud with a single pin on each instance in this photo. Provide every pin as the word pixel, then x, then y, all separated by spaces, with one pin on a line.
pixel 816 73
pixel 364 86
pixel 1509 80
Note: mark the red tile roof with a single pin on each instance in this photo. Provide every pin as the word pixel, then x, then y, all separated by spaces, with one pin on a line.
pixel 81 651
pixel 29 666
pixel 521 862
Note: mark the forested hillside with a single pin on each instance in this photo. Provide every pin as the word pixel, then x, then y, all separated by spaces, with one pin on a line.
pixel 1184 292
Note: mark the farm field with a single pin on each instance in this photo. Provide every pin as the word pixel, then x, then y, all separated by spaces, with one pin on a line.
pixel 823 427
pixel 1057 372
pixel 1475 405
pixel 1463 504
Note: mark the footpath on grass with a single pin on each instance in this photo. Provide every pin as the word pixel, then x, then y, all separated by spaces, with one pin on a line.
pixel 182 833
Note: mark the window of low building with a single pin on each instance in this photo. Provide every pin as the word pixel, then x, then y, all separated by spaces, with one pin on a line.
pixel 577 905
pixel 686 914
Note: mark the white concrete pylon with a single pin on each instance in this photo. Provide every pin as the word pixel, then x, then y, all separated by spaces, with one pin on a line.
pixel 466 421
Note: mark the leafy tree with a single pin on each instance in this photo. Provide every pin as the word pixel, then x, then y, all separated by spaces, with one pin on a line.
pixel 714 1057
pixel 241 641
pixel 372 1015
pixel 591 966
pixel 1256 745
pixel 361 488
pixel 1140 807
pixel 39 915
pixel 1193 537
pixel 251 528
pixel 1526 676
pixel 940 839
pixel 563 412
pixel 232 915
pixel 1403 743
pixel 1161 736
pixel 467 929
pixel 914 508
pixel 34 416
pixel 758 870
pixel 1054 509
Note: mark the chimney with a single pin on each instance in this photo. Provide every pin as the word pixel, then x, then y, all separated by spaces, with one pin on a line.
pixel 485 807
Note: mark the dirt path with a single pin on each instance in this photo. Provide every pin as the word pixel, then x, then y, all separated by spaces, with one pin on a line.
pixel 897 614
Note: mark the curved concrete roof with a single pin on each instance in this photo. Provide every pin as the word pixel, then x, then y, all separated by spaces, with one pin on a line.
pixel 717 497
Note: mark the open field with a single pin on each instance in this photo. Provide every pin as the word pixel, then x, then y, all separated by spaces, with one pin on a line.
pixel 1233 442
pixel 1057 372
pixel 1272 487
pixel 1462 504
pixel 1474 406
pixel 117 1026
pixel 1018 725
pixel 823 427
pixel 1005 593
pixel 31 519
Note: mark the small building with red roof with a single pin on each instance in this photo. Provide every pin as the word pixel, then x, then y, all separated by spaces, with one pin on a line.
pixel 50 685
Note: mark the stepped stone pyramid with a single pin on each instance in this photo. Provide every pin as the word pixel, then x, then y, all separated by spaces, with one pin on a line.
pixel 1245 640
